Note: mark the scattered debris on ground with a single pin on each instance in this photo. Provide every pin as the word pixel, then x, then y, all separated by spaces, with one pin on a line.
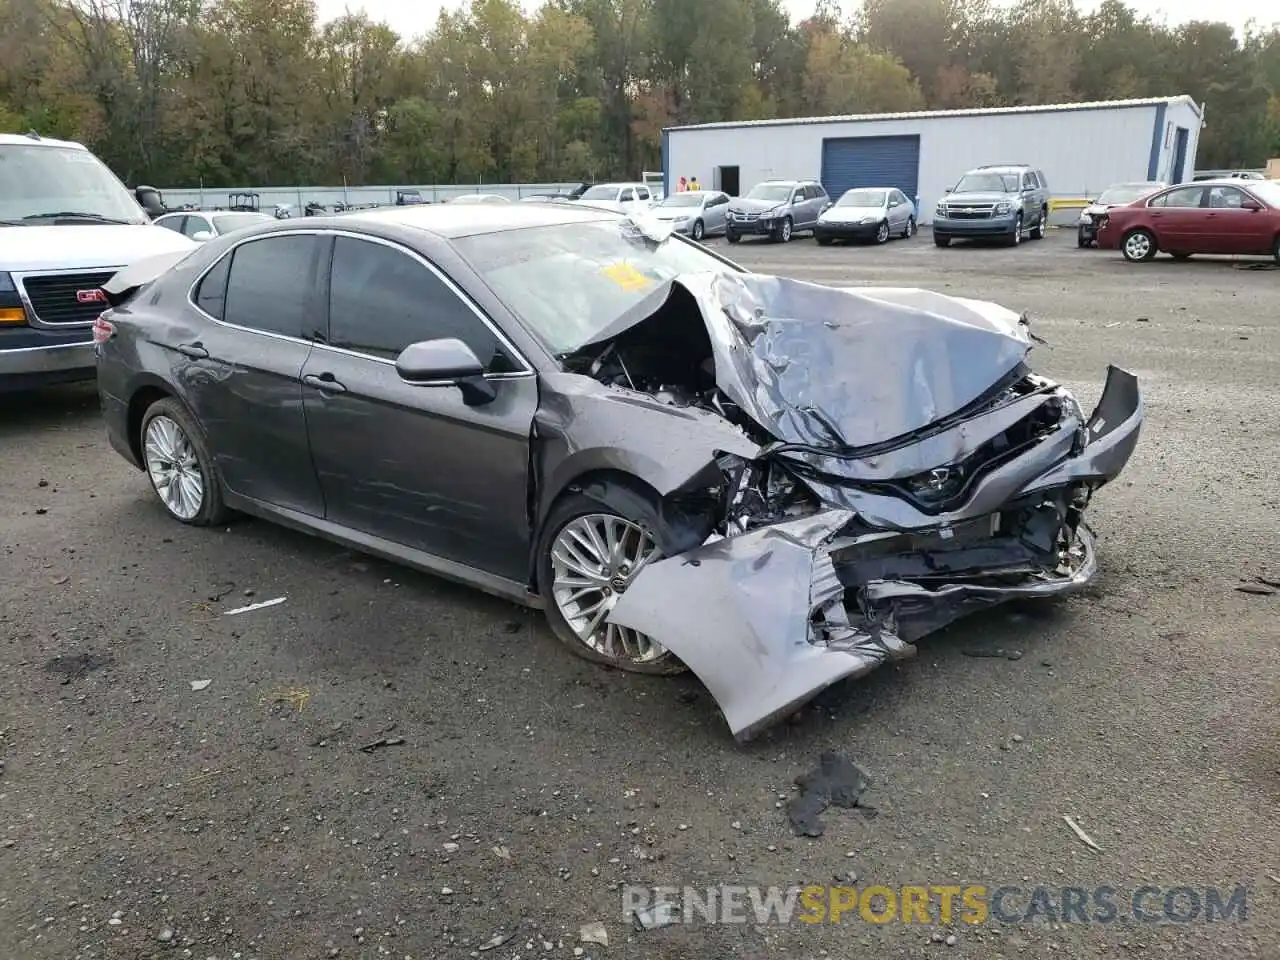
pixel 661 914
pixel 497 940
pixel 200 684
pixel 837 782
pixel 1257 589
pixel 379 744
pixel 1079 832
pixel 76 667
pixel 594 932
pixel 254 606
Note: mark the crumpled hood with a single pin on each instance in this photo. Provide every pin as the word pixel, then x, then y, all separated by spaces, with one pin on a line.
pixel 745 205
pixel 842 368
pixel 85 246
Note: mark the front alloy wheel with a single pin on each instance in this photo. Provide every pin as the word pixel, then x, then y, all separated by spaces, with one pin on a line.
pixel 882 232
pixel 784 232
pixel 594 558
pixel 1138 245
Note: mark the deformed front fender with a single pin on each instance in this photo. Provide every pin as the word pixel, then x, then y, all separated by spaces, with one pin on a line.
pixel 736 611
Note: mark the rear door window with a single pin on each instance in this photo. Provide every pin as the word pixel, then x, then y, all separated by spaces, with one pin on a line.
pixel 272 285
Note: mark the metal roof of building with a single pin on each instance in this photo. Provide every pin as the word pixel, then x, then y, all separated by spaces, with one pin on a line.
pixel 941 114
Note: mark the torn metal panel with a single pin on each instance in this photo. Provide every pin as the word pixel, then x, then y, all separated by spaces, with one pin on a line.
pixel 736 611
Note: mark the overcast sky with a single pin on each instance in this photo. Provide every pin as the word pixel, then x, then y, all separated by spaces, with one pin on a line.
pixel 411 18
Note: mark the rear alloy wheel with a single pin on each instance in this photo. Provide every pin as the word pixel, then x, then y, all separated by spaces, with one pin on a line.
pixel 179 466
pixel 588 560
pixel 1038 233
pixel 882 232
pixel 698 230
pixel 1138 245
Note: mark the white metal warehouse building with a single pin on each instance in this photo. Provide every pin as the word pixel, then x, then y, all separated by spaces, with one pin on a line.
pixel 1082 148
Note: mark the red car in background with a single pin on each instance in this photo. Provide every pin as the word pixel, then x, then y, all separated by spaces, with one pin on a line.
pixel 1226 216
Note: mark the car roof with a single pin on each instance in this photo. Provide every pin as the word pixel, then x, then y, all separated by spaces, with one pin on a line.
pixel 38 141
pixel 449 221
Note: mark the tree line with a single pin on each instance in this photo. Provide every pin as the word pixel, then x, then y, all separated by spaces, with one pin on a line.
pixel 235 92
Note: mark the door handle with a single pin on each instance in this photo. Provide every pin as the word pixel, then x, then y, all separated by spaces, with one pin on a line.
pixel 324 382
pixel 195 351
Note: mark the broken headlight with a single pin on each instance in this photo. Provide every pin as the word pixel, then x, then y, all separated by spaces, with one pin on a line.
pixel 938 484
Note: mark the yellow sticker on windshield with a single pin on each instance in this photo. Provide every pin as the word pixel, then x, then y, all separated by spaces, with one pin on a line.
pixel 627 277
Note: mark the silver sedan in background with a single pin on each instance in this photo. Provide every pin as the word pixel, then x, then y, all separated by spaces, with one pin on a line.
pixel 696 213
pixel 867 213
pixel 202 225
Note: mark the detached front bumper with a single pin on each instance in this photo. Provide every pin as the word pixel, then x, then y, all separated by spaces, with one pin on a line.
pixel 761 227
pixel 769 618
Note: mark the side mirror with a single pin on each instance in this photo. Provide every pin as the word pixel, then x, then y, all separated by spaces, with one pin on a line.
pixel 947 189
pixel 445 362
pixel 149 199
pixel 202 236
pixel 1252 205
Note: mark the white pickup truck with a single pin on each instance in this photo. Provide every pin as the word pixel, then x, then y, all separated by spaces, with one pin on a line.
pixel 67 224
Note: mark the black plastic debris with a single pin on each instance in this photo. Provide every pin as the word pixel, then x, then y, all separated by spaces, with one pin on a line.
pixel 837 782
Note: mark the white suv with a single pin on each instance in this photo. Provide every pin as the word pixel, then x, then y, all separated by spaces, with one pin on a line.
pixel 67 224
pixel 619 197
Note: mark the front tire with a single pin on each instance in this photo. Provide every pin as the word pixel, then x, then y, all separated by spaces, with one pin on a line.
pixel 1180 255
pixel 1138 245
pixel 823 239
pixel 179 465
pixel 784 231
pixel 939 240
pixel 1081 240
pixel 1016 238
pixel 698 230
pixel 731 236
pixel 587 555
pixel 882 232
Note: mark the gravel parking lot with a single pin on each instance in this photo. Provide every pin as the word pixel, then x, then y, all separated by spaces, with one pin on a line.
pixel 517 787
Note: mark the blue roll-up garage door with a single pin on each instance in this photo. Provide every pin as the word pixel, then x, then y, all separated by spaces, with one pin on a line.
pixel 849 162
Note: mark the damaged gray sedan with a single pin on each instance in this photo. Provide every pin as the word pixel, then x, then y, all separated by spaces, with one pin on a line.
pixel 775 484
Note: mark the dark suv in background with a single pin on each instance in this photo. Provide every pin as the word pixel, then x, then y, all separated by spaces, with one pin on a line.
pixel 995 202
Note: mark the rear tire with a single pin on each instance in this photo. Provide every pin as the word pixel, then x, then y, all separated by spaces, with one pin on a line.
pixel 1139 245
pixel 1039 232
pixel 573 512
pixel 177 461
pixel 910 230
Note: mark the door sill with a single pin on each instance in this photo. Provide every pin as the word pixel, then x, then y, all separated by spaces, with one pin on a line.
pixel 388 550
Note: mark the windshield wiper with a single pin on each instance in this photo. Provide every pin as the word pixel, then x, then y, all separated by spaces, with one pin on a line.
pixel 74 215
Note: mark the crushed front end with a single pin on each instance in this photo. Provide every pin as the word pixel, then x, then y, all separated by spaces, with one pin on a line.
pixel 829 566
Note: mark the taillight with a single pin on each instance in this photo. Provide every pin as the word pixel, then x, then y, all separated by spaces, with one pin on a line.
pixel 103 329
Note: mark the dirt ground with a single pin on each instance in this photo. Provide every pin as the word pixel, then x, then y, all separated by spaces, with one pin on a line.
pixel 520 787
